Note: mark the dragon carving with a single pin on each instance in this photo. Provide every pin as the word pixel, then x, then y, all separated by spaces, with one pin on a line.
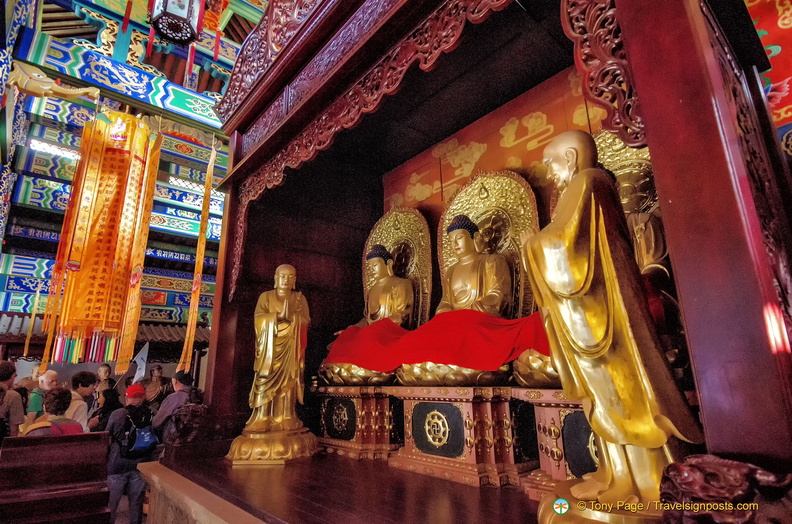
pixel 32 81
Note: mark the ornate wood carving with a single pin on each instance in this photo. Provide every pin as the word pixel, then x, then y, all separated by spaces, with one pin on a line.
pixel 306 82
pixel 262 47
pixel 764 187
pixel 706 488
pixel 264 124
pixel 438 34
pixel 602 61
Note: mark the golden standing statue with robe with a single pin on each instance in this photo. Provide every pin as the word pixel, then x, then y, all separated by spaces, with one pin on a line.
pixel 274 433
pixel 601 334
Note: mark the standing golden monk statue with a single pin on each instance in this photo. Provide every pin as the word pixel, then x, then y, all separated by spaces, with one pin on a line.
pixel 477 281
pixel 274 433
pixel 601 334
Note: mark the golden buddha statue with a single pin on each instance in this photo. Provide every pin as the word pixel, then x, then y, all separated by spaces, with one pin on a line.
pixel 391 296
pixel 476 281
pixel 274 433
pixel 601 334
pixel 397 281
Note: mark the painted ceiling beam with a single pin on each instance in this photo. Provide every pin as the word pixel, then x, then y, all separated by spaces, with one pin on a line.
pixel 139 21
pixel 126 84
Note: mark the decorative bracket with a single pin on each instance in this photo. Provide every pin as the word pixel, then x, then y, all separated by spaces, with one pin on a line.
pixel 601 60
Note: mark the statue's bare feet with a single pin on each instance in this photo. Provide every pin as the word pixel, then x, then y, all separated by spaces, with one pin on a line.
pixel 618 494
pixel 258 427
pixel 589 488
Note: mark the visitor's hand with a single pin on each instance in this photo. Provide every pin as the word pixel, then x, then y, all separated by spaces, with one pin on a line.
pixel 93 422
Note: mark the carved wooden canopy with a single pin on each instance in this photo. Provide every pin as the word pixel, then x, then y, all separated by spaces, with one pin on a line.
pixel 312 68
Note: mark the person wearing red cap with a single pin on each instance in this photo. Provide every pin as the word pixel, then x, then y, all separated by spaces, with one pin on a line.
pixel 122 472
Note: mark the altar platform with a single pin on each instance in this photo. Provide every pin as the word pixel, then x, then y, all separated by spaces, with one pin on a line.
pixel 326 489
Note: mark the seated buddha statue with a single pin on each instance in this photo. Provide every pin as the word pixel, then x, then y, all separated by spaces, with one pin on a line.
pixel 391 296
pixel 468 333
pixel 476 281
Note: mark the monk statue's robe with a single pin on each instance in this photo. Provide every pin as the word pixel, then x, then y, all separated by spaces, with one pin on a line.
pixel 603 342
pixel 281 333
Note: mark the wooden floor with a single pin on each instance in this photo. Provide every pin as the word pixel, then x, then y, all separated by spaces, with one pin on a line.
pixel 332 489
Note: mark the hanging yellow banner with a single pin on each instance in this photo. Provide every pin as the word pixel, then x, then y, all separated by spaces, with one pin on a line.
pixel 192 318
pixel 126 344
pixel 105 225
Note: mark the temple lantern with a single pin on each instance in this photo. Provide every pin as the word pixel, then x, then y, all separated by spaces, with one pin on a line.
pixel 176 21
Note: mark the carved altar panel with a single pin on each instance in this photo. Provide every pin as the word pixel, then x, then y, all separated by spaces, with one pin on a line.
pixel 358 422
pixel 564 438
pixel 450 433
pixel 763 180
pixel 503 205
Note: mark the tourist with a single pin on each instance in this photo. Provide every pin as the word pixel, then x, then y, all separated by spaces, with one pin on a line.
pixel 108 402
pixel 122 472
pixel 54 423
pixel 83 385
pixel 11 408
pixel 163 420
pixel 46 381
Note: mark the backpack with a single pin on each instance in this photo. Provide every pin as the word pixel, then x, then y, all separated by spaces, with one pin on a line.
pixel 189 420
pixel 138 441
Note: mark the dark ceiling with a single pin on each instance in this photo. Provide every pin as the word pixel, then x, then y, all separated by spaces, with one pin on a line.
pixel 496 61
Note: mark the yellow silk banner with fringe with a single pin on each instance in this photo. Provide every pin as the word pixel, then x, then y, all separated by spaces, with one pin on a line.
pixel 192 318
pixel 133 303
pixel 103 241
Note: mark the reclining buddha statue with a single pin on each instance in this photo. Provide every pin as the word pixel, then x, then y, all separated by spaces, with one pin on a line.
pixel 480 325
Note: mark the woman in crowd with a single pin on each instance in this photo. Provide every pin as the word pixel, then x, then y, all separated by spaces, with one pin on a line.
pixel 108 402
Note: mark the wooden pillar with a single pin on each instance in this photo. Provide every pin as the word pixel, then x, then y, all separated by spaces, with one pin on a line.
pixel 223 351
pixel 716 236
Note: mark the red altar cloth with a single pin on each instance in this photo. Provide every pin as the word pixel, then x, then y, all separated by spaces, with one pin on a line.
pixel 464 338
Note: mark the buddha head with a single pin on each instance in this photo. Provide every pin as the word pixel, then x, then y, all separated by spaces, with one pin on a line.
pixel 380 261
pixel 567 154
pixel 285 277
pixel 461 232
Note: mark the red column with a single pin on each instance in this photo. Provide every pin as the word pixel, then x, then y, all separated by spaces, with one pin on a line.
pixel 225 353
pixel 714 234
